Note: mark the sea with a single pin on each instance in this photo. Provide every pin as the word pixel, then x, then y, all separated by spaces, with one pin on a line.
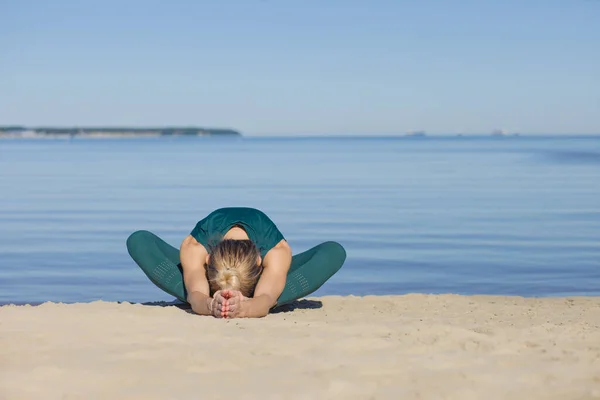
pixel 496 215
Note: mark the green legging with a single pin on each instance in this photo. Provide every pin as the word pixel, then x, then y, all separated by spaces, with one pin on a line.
pixel 308 272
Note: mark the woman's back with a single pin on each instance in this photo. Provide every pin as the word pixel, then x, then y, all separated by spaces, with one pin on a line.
pixel 258 226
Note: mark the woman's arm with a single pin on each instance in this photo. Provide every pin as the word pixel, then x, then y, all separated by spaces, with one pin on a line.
pixel 193 257
pixel 271 283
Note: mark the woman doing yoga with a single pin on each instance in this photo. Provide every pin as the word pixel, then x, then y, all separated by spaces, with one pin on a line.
pixel 235 263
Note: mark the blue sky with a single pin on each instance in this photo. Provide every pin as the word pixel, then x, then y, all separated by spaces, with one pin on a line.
pixel 278 67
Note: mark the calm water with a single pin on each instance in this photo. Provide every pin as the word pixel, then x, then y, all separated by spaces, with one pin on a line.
pixel 511 215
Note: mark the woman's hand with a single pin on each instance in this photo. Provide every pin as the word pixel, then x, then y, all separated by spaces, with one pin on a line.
pixel 218 305
pixel 233 306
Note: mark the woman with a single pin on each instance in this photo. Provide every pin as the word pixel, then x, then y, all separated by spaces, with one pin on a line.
pixel 239 255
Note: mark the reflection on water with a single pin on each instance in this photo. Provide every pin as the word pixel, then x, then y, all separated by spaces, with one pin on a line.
pixel 574 157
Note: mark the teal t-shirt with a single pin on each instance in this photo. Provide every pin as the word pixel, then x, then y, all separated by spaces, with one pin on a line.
pixel 259 227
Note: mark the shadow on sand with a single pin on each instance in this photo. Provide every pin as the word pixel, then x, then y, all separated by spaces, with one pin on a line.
pixel 297 305
pixel 175 303
pixel 303 304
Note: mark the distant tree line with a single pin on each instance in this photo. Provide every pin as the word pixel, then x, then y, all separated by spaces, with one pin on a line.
pixel 12 128
pixel 119 130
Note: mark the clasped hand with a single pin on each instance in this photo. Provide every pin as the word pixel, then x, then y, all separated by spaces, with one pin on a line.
pixel 227 303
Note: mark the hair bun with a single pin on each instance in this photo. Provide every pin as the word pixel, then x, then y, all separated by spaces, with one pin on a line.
pixel 229 279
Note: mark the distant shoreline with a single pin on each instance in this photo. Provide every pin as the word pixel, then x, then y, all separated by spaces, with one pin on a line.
pixel 110 132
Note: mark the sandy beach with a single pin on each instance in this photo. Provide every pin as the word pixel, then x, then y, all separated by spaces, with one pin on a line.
pixel 373 347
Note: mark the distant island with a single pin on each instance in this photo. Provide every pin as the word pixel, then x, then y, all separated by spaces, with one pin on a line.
pixel 503 132
pixel 42 132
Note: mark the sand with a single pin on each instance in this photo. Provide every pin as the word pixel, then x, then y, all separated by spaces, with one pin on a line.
pixel 374 347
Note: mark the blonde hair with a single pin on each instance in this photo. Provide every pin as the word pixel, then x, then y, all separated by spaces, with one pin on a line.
pixel 233 264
